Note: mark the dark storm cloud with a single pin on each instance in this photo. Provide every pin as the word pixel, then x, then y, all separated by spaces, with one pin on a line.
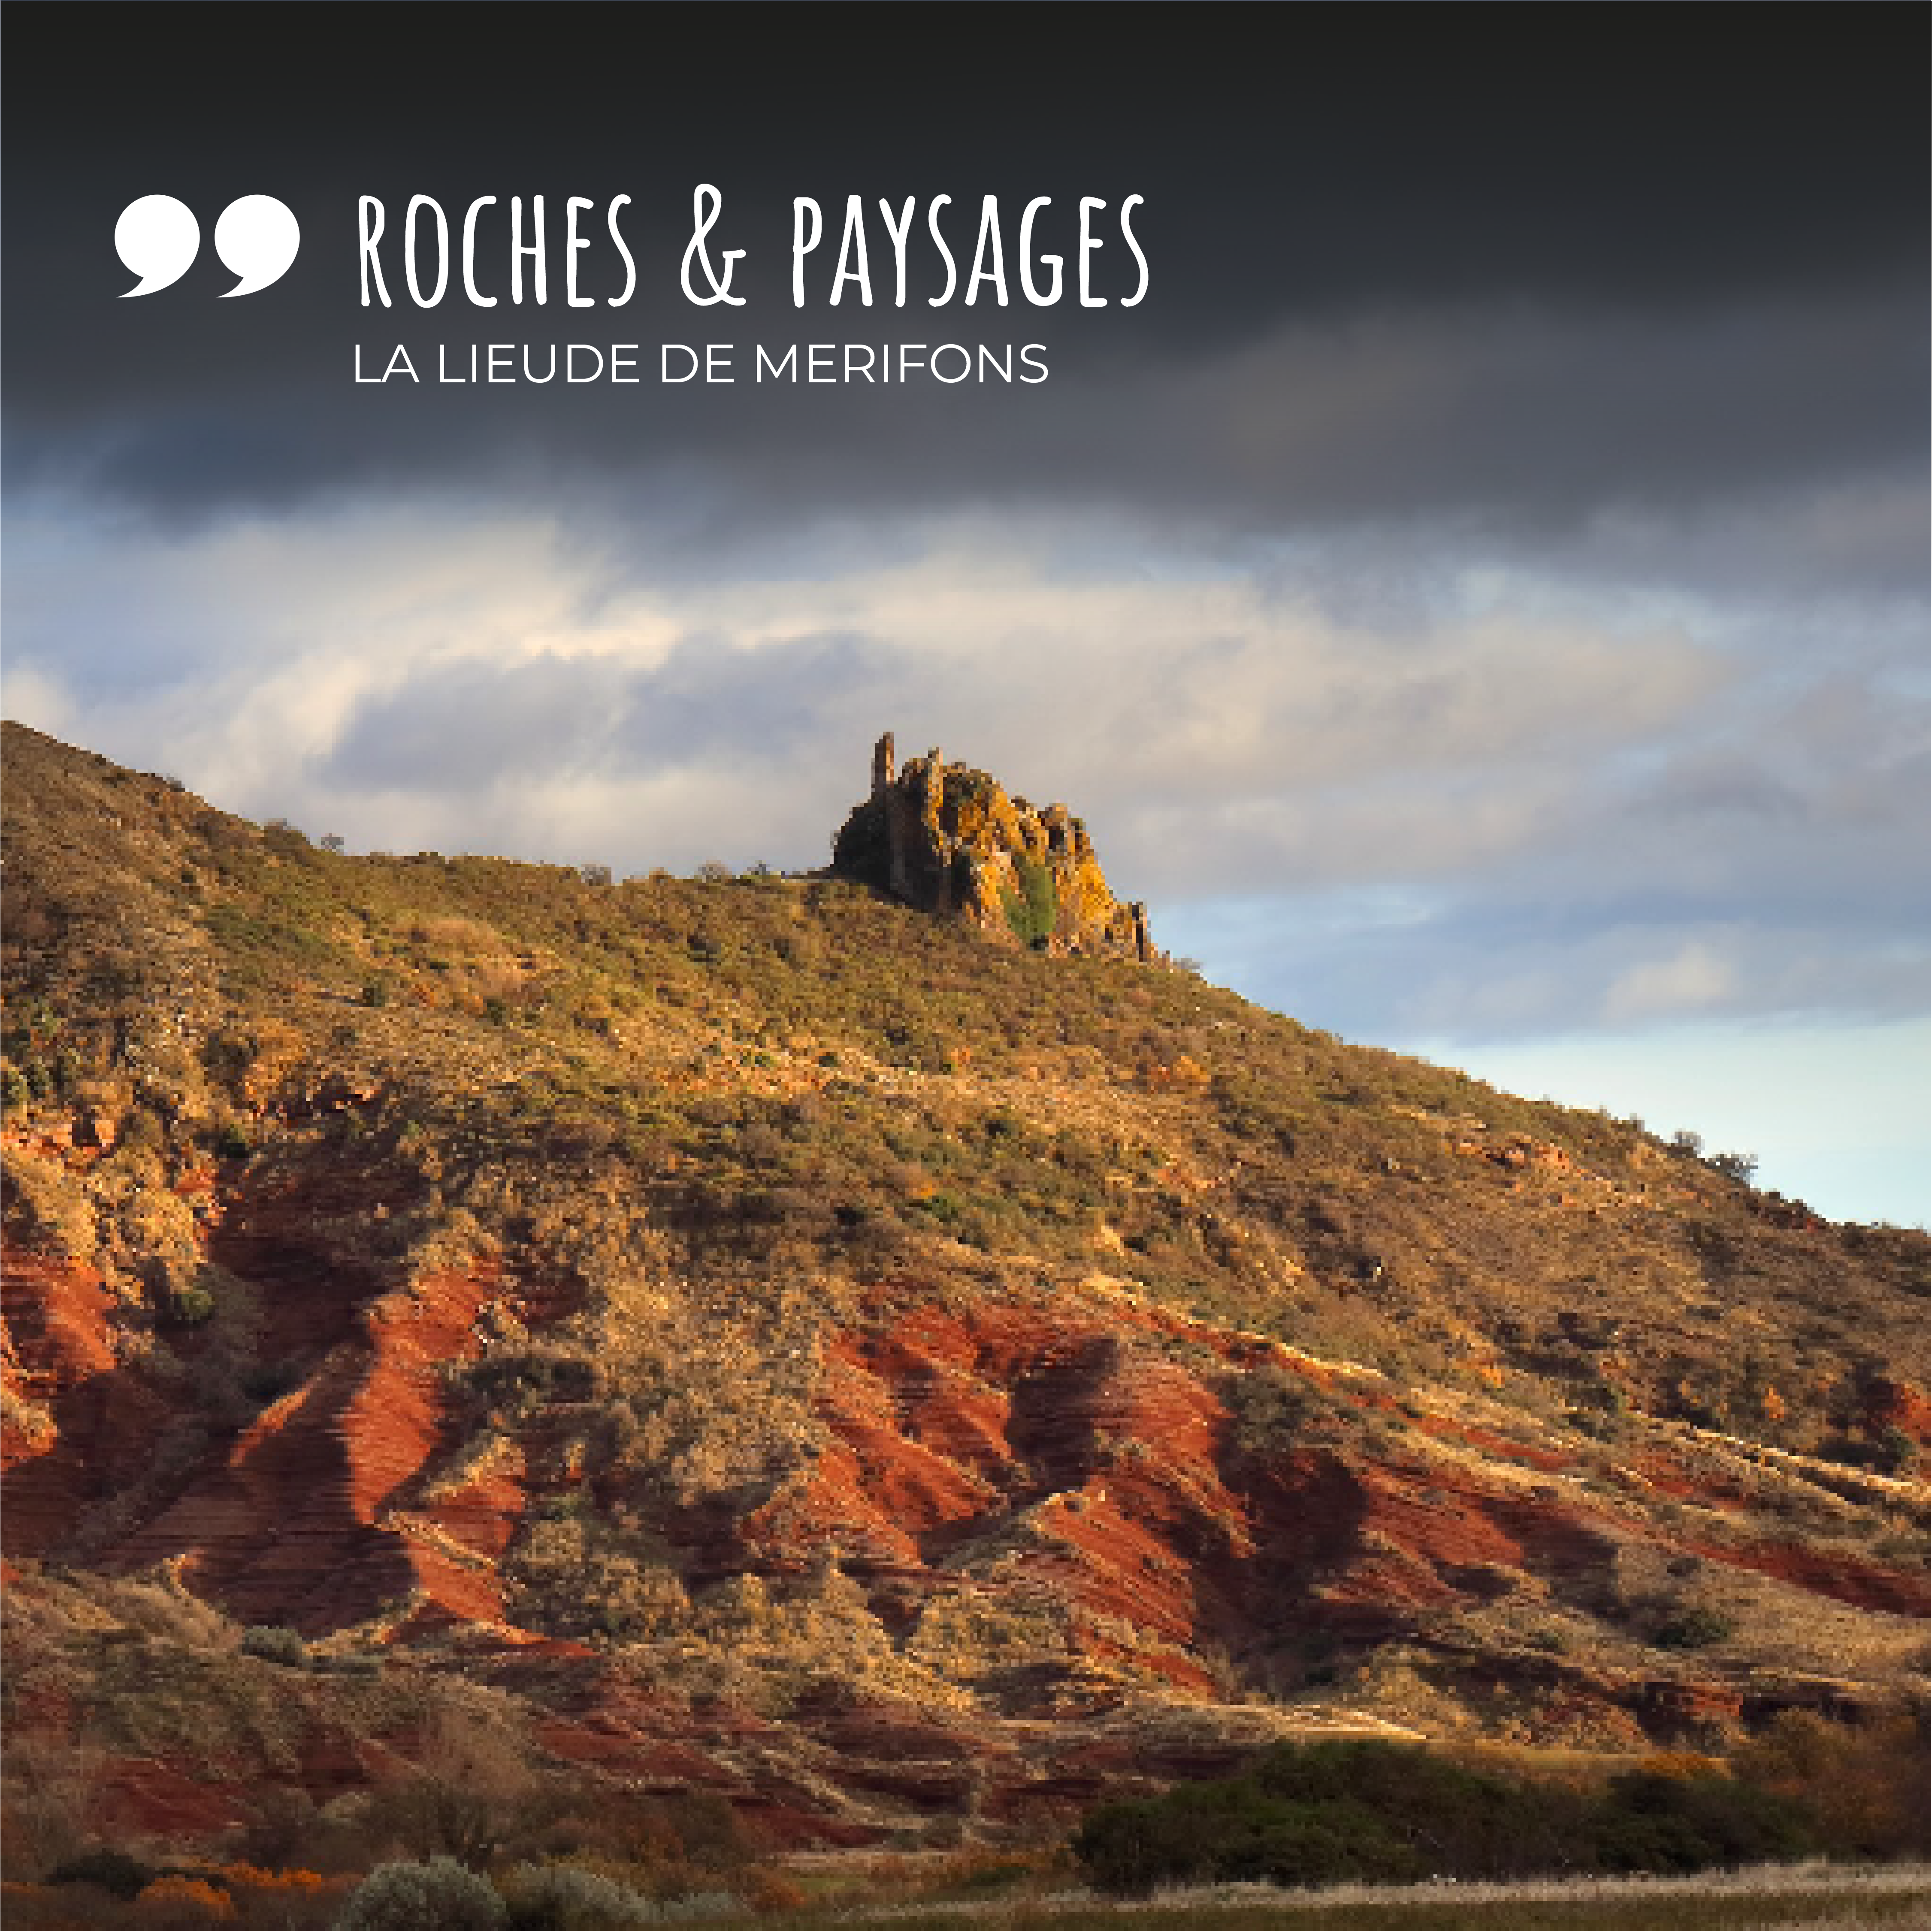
pixel 1516 418
pixel 1531 263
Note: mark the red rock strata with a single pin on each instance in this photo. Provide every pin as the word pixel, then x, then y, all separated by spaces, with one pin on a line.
pixel 288 1519
pixel 76 1425
pixel 1072 1462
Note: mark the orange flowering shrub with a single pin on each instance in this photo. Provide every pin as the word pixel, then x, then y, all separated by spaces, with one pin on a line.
pixel 181 1904
pixel 252 1877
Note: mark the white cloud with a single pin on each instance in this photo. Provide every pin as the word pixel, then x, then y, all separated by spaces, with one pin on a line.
pixel 1693 977
pixel 1220 725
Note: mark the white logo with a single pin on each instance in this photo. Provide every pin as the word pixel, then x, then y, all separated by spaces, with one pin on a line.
pixel 157 239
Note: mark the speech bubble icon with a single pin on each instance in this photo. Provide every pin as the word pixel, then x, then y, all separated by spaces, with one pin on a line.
pixel 256 237
pixel 157 239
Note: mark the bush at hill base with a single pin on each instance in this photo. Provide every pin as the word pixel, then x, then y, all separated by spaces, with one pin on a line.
pixel 1367 1810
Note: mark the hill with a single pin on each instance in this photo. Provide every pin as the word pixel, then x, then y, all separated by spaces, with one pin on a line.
pixel 750 1336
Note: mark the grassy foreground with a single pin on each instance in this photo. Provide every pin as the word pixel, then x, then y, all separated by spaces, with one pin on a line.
pixel 1819 1897
pixel 1762 1900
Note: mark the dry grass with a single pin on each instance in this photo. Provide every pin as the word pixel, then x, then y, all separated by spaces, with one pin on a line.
pixel 1767 1899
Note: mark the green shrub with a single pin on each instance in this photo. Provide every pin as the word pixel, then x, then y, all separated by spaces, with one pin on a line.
pixel 114 1872
pixel 1034 910
pixel 1360 1808
pixel 1233 1832
pixel 1650 1821
pixel 1271 1407
pixel 356 1663
pixel 274 1644
pixel 1695 1629
pixel 1451 1821
pixel 564 1897
pixel 1130 1846
pixel 189 1306
pixel 438 1896
pixel 567 1897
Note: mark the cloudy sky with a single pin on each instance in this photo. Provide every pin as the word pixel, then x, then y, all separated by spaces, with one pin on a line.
pixel 1478 596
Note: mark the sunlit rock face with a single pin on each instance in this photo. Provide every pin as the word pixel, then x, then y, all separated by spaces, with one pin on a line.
pixel 951 840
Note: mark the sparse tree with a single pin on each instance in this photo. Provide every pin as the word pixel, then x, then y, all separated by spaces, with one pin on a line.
pixel 469 1783
pixel 49 1785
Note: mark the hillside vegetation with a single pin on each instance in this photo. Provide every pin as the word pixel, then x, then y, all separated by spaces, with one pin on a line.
pixel 751 1335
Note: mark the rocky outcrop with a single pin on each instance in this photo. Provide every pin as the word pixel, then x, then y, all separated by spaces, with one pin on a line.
pixel 951 840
